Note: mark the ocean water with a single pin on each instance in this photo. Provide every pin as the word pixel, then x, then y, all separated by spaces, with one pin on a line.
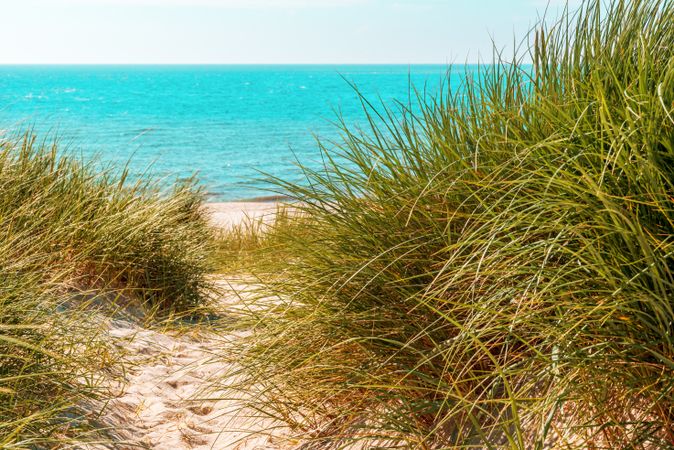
pixel 227 124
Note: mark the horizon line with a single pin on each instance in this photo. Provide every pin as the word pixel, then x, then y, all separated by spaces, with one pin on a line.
pixel 237 63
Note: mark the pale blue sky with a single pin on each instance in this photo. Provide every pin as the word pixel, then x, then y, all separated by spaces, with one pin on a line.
pixel 259 31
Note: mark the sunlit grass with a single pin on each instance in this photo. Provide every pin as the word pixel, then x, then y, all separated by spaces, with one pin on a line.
pixel 71 239
pixel 494 269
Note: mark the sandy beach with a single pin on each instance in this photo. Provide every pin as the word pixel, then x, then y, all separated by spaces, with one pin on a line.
pixel 228 214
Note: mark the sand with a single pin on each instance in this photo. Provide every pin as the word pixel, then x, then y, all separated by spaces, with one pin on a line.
pixel 228 214
pixel 166 400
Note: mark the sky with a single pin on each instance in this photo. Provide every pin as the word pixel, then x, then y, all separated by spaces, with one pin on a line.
pixel 260 31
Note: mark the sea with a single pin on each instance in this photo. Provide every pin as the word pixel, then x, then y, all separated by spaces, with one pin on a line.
pixel 231 126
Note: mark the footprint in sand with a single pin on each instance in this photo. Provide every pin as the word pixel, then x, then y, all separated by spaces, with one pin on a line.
pixel 157 406
pixel 200 410
pixel 198 429
pixel 192 439
pixel 175 384
pixel 173 415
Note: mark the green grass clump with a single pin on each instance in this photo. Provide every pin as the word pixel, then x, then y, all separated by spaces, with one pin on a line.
pixel 72 238
pixel 494 268
pixel 106 230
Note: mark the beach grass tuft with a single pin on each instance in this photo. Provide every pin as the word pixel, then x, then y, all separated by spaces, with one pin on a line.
pixel 492 267
pixel 74 237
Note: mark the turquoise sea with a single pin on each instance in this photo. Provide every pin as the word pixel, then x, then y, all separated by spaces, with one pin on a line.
pixel 225 123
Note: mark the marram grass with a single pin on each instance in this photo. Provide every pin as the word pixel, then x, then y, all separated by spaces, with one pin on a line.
pixel 72 237
pixel 495 268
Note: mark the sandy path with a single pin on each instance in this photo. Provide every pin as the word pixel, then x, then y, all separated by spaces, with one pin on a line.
pixel 166 402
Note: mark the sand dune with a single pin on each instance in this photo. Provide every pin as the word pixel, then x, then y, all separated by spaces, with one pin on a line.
pixel 166 400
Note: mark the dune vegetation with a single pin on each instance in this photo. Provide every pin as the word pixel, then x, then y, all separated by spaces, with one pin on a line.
pixel 487 266
pixel 74 237
pixel 493 267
